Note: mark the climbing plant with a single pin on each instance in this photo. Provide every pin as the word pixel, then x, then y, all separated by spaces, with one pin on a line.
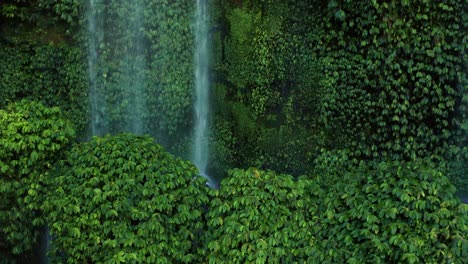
pixel 271 86
pixel 52 74
pixel 144 61
pixel 170 32
pixel 395 74
pixel 62 10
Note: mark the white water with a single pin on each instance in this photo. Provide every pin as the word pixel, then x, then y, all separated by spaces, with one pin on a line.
pixel 96 35
pixel 135 67
pixel 121 35
pixel 126 64
pixel 200 156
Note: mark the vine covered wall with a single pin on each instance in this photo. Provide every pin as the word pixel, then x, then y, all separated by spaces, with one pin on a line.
pixel 397 74
pixel 268 90
pixel 45 46
pixel 388 83
pixel 290 78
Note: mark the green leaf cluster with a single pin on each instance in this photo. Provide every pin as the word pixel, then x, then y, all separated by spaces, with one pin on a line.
pixel 260 217
pixel 122 199
pixel 32 139
pixel 392 212
pixel 396 75
pixel 51 74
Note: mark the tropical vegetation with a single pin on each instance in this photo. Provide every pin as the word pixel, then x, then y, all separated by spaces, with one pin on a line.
pixel 338 133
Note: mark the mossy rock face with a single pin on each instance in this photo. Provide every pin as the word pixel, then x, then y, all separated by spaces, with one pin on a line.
pixel 123 198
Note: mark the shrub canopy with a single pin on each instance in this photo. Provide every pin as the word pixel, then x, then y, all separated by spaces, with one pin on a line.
pixel 32 139
pixel 260 217
pixel 391 213
pixel 123 198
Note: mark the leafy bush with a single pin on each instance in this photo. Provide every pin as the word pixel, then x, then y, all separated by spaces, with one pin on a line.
pixel 123 198
pixel 260 217
pixel 332 163
pixel 391 213
pixel 32 138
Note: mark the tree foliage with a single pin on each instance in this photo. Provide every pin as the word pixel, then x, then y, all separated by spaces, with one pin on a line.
pixel 123 198
pixel 32 139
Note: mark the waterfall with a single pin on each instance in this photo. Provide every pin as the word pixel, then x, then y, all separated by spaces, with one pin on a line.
pixel 200 155
pixel 135 69
pixel 139 68
pixel 95 33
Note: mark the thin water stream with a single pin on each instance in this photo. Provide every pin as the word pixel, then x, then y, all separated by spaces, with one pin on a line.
pixel 201 150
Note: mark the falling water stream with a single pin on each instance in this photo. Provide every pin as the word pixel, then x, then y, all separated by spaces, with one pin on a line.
pixel 135 67
pixel 200 154
pixel 95 33
pixel 116 48
pixel 131 67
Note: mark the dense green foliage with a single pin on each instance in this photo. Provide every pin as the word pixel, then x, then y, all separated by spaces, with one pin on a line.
pixel 124 199
pixel 384 84
pixel 350 93
pixel 40 60
pixel 170 34
pixel 268 99
pixel 144 61
pixel 396 79
pixel 32 138
pixel 260 217
pixel 45 61
pixel 48 73
pixel 390 213
pixel 375 213
pixel 291 77
pixel 32 11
